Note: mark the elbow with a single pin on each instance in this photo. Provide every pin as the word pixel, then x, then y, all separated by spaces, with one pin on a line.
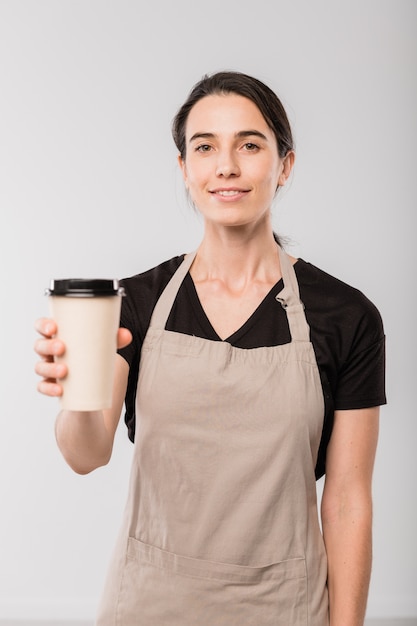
pixel 354 508
pixel 82 467
pixel 83 471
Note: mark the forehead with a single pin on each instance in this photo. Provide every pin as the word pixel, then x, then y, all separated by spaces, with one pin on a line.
pixel 225 114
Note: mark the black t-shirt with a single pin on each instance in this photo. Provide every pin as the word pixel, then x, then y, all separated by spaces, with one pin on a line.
pixel 345 327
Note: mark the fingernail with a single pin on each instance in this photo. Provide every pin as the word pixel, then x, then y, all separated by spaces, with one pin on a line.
pixel 60 371
pixel 56 348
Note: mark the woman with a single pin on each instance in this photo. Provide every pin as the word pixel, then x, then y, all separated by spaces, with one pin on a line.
pixel 246 375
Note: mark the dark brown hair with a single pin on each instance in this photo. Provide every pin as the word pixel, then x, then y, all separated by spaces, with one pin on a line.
pixel 243 85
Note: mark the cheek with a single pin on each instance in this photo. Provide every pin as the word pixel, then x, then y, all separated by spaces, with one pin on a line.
pixel 195 174
pixel 268 179
pixel 275 174
pixel 267 170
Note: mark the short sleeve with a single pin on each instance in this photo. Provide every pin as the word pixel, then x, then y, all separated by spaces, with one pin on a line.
pixel 361 379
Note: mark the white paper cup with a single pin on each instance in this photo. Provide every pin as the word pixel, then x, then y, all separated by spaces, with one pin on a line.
pixel 87 314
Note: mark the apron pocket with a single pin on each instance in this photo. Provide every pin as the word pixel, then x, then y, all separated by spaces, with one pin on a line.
pixel 160 588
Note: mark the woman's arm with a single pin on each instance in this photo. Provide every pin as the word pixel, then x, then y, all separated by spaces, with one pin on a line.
pixel 85 438
pixel 346 513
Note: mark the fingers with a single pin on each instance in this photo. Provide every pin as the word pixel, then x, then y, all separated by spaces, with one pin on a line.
pixel 49 388
pixel 46 326
pixel 48 347
pixel 50 370
pixel 50 373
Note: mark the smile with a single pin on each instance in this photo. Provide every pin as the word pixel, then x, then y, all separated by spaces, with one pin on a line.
pixel 229 193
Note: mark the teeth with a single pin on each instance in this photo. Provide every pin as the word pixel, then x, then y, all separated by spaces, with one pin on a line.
pixel 231 192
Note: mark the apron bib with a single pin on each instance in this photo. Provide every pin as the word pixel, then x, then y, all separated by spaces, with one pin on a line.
pixel 221 524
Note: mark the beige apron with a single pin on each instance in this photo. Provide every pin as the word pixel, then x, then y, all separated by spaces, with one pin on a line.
pixel 221 524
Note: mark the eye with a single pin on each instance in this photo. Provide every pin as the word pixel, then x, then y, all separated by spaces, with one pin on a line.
pixel 203 148
pixel 251 147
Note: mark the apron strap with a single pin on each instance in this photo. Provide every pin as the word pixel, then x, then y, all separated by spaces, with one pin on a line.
pixel 166 300
pixel 289 297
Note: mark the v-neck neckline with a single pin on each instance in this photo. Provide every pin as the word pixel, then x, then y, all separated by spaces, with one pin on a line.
pixel 238 333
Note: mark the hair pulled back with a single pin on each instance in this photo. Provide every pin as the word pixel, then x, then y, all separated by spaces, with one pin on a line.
pixel 243 85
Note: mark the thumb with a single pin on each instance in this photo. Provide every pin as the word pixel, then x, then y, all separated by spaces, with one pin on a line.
pixel 124 337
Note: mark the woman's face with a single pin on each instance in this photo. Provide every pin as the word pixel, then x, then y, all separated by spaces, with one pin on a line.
pixel 232 166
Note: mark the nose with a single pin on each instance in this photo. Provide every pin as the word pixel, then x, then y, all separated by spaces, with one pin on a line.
pixel 227 164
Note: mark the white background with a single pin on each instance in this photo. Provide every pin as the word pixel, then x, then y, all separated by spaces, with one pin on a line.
pixel 89 186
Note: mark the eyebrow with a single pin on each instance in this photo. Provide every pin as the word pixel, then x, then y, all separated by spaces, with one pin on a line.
pixel 240 135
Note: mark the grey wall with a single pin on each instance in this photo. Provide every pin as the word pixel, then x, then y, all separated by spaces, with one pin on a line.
pixel 89 186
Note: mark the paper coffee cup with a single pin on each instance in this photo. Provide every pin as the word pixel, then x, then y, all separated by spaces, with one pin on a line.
pixel 87 314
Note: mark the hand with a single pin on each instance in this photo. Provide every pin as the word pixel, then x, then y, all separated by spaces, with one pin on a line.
pixel 49 347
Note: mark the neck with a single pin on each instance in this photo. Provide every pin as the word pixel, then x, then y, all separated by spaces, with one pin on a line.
pixel 237 255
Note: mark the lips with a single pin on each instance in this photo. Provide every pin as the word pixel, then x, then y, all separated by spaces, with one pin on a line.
pixel 229 193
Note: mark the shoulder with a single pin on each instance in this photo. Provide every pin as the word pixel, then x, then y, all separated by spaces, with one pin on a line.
pixel 333 289
pixel 348 337
pixel 323 293
pixel 142 292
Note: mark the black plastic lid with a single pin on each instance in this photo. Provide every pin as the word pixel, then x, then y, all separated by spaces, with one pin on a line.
pixel 85 287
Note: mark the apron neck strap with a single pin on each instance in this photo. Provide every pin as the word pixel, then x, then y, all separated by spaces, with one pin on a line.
pixel 166 300
pixel 289 297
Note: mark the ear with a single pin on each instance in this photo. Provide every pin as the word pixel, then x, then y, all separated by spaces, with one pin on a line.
pixel 287 165
pixel 183 169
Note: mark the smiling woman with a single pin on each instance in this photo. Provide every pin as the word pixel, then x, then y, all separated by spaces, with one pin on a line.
pixel 246 374
pixel 232 161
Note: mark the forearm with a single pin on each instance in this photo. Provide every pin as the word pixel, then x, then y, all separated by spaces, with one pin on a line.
pixel 86 438
pixel 83 439
pixel 348 539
